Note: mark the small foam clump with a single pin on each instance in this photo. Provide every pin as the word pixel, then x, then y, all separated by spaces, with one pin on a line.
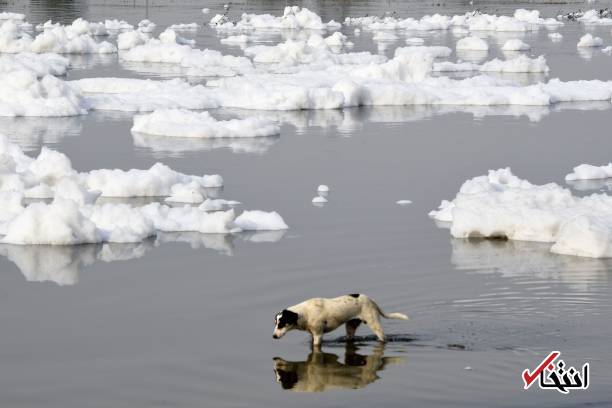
pixel 588 40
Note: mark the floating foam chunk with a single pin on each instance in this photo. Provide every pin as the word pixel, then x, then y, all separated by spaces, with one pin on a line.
pixel 323 188
pixel 11 205
pixel 305 80
pixel 585 235
pixel 13 39
pixel 184 27
pixel 183 123
pixel 338 39
pixel 515 45
pixel 403 202
pixel 500 205
pixel 130 39
pixel 76 28
pixel 522 63
pixel 588 40
pixel 58 223
pixel 40 64
pixel 142 95
pixel 555 36
pixel 260 220
pixel 594 17
pixel 426 23
pixel 170 48
pixel 74 218
pixel 77 38
pixel 472 44
pixel 217 204
pixel 523 20
pixel 319 200
pixel 294 17
pixel 117 25
pixel 590 172
pixel 156 181
pixel 23 94
pixel 186 193
pixel 316 51
pixel 146 26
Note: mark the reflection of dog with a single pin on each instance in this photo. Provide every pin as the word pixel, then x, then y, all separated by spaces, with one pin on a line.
pixel 319 315
pixel 322 371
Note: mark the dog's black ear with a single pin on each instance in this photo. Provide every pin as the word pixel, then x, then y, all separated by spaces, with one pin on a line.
pixel 290 316
pixel 287 318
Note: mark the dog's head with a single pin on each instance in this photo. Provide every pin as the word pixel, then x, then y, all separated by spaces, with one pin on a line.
pixel 283 322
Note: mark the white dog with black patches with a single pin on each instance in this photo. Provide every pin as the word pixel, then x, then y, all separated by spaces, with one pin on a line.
pixel 319 315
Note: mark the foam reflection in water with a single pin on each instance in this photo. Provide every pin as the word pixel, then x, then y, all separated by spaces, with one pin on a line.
pixel 531 260
pixel 163 146
pixel 322 371
pixel 32 132
pixel 591 185
pixel 349 120
pixel 63 264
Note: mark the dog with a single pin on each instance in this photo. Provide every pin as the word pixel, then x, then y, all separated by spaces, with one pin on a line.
pixel 319 315
pixel 323 371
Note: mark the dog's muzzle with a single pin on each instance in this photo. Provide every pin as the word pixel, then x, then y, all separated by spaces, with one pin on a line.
pixel 274 336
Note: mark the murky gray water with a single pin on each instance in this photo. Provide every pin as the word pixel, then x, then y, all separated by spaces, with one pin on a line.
pixel 186 319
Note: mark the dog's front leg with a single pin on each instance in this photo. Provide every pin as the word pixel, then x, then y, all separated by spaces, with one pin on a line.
pixel 316 338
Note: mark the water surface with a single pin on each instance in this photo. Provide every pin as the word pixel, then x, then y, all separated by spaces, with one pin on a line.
pixel 186 319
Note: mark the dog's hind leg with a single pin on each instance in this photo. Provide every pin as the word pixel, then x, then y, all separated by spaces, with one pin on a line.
pixel 371 317
pixel 351 327
pixel 374 324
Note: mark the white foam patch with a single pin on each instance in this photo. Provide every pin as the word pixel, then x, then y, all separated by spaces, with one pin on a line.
pixel 40 64
pixel 294 17
pixel 184 27
pixel 515 45
pixel 503 205
pixel 142 95
pixel 183 123
pixel 170 48
pixel 73 217
pixel 521 63
pixel 521 21
pixel 589 40
pixel 594 17
pixel 260 220
pixel 22 93
pixel 77 38
pixel 590 172
pixel 472 43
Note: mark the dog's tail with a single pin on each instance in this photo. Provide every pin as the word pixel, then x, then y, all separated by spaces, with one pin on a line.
pixel 395 315
pixel 392 315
